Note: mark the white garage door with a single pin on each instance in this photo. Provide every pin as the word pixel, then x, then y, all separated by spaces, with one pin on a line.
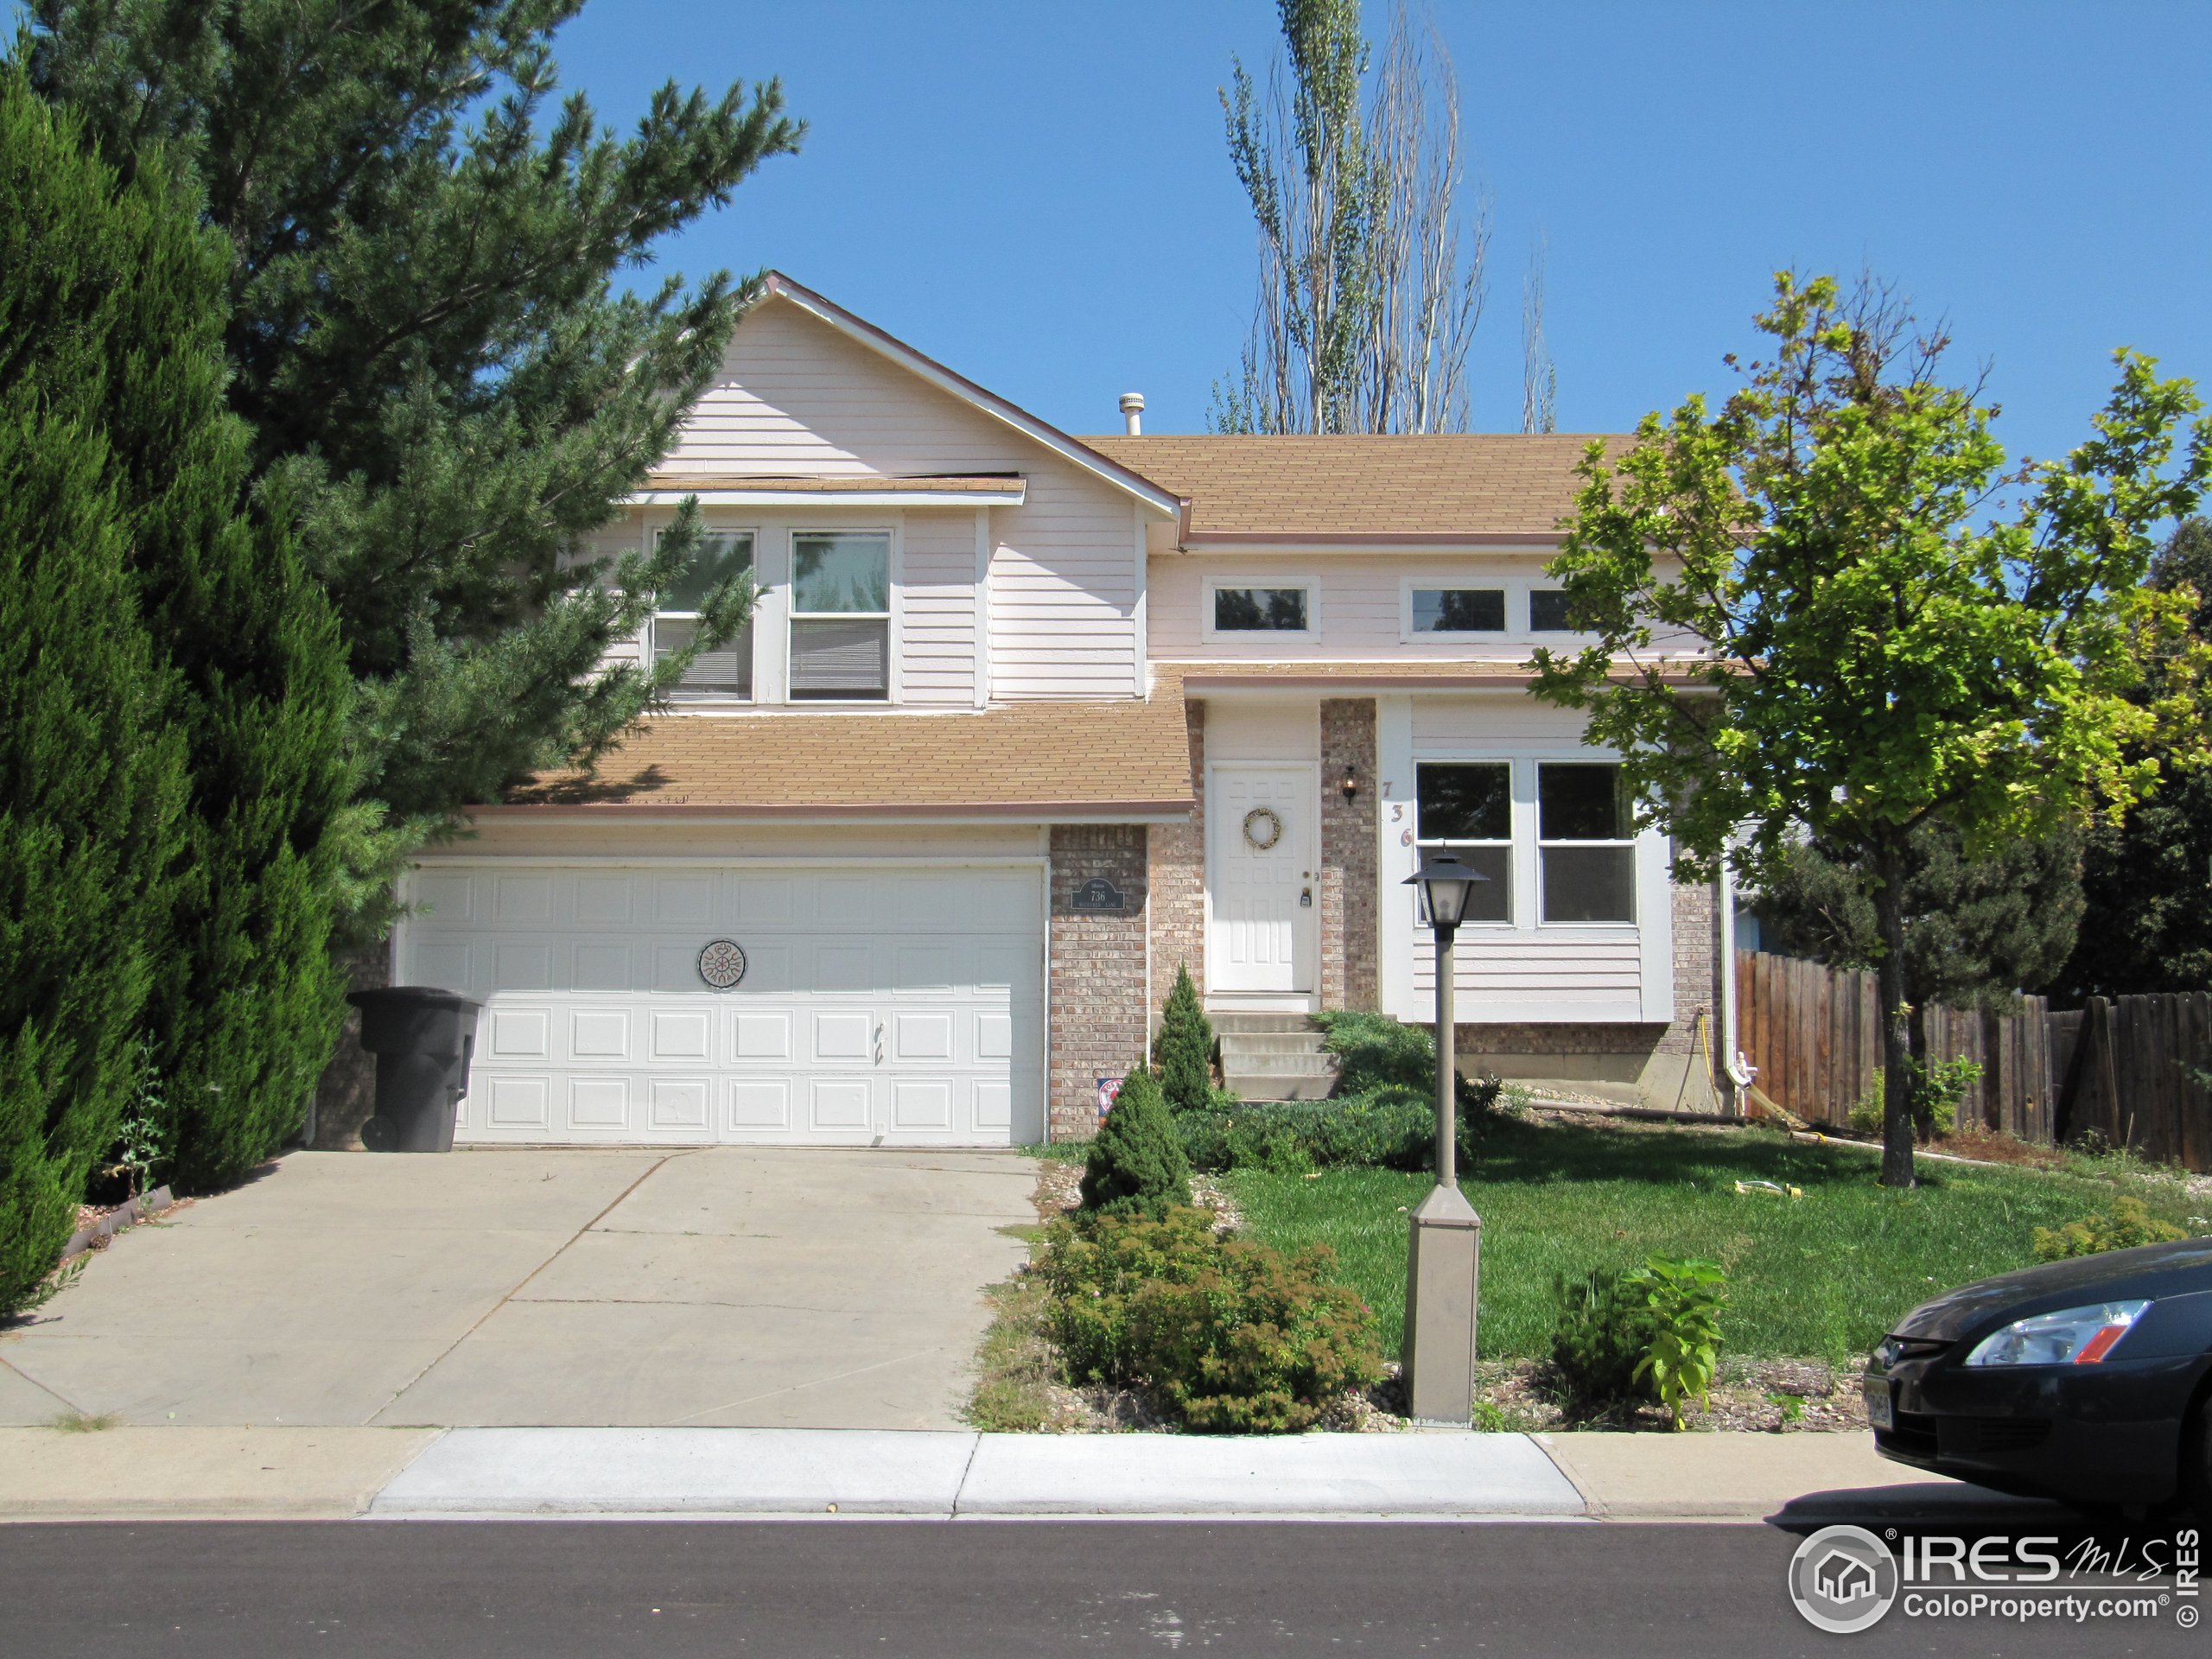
pixel 901 1006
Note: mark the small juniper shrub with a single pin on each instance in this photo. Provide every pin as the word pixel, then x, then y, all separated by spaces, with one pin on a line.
pixel 1137 1165
pixel 1232 1336
pixel 2126 1225
pixel 1604 1327
pixel 1184 1049
pixel 1389 1129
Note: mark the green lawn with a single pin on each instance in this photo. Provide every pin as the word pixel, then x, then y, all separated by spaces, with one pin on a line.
pixel 1821 1276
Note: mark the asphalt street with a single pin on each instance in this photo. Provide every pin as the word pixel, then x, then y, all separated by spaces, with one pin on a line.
pixel 970 1589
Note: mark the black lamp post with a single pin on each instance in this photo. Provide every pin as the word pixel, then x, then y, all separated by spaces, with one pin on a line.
pixel 1444 1254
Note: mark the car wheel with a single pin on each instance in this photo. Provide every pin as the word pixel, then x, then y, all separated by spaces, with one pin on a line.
pixel 2196 1463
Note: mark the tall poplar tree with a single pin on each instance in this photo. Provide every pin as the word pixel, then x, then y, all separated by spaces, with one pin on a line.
pixel 430 343
pixel 91 783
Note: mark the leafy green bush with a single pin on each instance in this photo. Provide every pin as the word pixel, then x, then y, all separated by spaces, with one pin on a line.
pixel 1235 1337
pixel 2125 1226
pixel 1605 1330
pixel 1946 1085
pixel 1136 1164
pixel 1682 1302
pixel 1389 1129
pixel 1184 1049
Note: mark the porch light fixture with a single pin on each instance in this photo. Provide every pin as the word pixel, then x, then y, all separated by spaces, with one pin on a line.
pixel 1350 783
pixel 1443 1256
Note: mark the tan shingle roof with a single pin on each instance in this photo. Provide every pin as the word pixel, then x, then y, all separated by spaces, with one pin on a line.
pixel 1486 486
pixel 1027 759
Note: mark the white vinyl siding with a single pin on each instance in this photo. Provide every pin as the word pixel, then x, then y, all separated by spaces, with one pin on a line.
pixel 796 398
pixel 937 618
pixel 1525 969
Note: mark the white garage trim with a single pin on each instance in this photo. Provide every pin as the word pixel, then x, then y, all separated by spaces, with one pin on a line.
pixel 907 1009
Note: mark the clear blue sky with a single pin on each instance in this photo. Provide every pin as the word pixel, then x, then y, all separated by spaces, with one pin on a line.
pixel 1036 192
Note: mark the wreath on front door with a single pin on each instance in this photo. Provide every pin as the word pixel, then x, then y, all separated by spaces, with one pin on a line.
pixel 1262 828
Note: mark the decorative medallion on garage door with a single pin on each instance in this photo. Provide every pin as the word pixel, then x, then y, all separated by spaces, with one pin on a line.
pixel 722 964
pixel 1262 828
pixel 1099 893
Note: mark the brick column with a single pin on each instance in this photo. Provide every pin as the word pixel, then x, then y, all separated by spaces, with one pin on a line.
pixel 1348 832
pixel 1178 858
pixel 1096 999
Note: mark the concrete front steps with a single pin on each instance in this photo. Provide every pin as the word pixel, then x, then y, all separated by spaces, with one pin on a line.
pixel 1274 1057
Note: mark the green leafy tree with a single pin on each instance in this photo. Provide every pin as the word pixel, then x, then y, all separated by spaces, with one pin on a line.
pixel 91 780
pixel 1808 620
pixel 1183 1050
pixel 1137 1164
pixel 429 345
pixel 2147 878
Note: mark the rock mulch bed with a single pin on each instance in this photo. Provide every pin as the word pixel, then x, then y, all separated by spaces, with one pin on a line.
pixel 99 1224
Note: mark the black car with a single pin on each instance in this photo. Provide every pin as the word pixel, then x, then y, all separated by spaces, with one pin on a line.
pixel 2089 1381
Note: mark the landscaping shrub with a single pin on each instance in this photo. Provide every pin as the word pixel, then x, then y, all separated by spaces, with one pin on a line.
pixel 1605 1330
pixel 2125 1226
pixel 1682 1302
pixel 1184 1049
pixel 1235 1337
pixel 1136 1164
pixel 1947 1083
pixel 1391 1127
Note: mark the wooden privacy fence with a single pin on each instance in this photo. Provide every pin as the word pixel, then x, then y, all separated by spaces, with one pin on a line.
pixel 2131 1070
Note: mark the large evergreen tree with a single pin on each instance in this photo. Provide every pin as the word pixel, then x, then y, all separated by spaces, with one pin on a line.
pixel 2147 880
pixel 90 782
pixel 429 343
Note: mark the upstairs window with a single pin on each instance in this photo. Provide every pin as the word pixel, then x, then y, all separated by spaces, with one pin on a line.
pixel 726 672
pixel 1466 810
pixel 841 616
pixel 1547 612
pixel 1260 610
pixel 1459 610
pixel 1585 836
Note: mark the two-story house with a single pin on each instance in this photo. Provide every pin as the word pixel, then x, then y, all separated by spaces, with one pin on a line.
pixel 1022 722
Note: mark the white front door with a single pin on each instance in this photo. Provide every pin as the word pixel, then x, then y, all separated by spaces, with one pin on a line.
pixel 1261 890
pixel 899 1006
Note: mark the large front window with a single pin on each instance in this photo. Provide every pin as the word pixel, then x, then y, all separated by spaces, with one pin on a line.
pixel 841 616
pixel 727 670
pixel 1585 834
pixel 1467 809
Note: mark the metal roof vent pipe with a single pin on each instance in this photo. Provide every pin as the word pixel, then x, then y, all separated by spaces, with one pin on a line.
pixel 1133 413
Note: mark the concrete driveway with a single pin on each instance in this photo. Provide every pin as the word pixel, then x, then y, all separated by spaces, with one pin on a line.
pixel 763 1288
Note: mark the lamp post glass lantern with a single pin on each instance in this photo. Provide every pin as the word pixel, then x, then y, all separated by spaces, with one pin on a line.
pixel 1444 1253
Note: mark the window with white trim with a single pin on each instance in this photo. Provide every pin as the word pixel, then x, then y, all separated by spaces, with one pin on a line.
pixel 1465 808
pixel 1547 612
pixel 841 616
pixel 727 670
pixel 1585 841
pixel 1456 610
pixel 1261 610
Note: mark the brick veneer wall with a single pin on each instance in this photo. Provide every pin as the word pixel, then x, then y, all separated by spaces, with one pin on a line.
pixel 1178 858
pixel 1096 997
pixel 1348 831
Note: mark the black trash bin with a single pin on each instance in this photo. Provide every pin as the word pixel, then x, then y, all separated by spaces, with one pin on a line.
pixel 423 1038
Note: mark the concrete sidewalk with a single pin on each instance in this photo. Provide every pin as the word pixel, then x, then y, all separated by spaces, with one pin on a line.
pixel 126 1473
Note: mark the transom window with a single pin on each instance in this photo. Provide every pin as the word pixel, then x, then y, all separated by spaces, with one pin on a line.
pixel 841 616
pixel 1459 610
pixel 726 672
pixel 1260 610
pixel 1585 838
pixel 1467 809
pixel 1547 612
